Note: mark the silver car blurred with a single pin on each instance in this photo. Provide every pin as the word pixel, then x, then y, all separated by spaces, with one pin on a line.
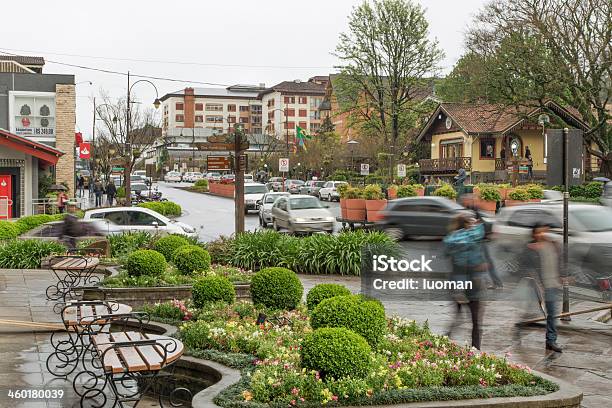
pixel 302 214
pixel 264 207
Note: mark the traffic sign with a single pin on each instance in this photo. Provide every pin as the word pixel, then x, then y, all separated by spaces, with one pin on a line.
pixel 401 170
pixel 283 165
pixel 365 169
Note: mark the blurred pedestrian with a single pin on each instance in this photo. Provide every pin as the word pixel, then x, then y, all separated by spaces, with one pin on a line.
pixel 62 199
pixel 81 184
pixel 464 246
pixel 98 191
pixel 111 192
pixel 71 229
pixel 541 262
pixel 529 158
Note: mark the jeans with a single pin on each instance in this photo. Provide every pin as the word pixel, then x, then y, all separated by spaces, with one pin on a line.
pixel 110 197
pixel 551 311
pixel 98 199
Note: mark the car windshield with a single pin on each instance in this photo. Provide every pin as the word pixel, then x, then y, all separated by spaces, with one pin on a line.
pixel 320 183
pixel 255 189
pixel 297 182
pixel 597 219
pixel 304 203
pixel 271 198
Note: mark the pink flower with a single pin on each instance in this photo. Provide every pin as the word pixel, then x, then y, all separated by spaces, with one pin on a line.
pixel 295 391
pixel 335 397
pixel 482 382
pixel 292 402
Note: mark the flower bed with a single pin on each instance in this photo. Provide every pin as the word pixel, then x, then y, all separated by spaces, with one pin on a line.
pixel 409 364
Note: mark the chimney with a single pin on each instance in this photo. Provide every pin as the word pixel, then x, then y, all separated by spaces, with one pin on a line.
pixel 189 108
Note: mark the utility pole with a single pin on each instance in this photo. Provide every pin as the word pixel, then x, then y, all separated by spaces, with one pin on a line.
pixel 93 149
pixel 127 151
pixel 565 223
pixel 239 181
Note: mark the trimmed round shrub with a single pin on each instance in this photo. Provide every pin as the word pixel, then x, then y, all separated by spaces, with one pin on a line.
pixel 364 317
pixel 276 288
pixel 336 352
pixel 168 245
pixel 145 262
pixel 191 258
pixel 324 291
pixel 212 289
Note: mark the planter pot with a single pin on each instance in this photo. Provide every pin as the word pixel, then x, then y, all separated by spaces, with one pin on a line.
pixel 355 215
pixel 420 192
pixel 512 203
pixel 392 194
pixel 485 205
pixel 504 193
pixel 343 208
pixel 374 209
pixel 355 204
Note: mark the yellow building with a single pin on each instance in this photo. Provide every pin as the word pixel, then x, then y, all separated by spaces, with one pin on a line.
pixel 484 139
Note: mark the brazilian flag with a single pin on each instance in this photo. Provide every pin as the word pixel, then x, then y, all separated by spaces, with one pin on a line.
pixel 301 134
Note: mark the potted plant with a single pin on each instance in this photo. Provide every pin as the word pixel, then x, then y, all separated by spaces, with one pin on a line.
pixel 375 202
pixel 517 197
pixel 406 191
pixel 446 190
pixel 536 193
pixel 489 196
pixel 420 189
pixel 342 188
pixel 504 189
pixel 120 196
pixel 392 191
pixel 355 204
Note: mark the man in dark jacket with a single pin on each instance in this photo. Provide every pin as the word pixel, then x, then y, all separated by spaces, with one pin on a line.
pixel 98 191
pixel 111 192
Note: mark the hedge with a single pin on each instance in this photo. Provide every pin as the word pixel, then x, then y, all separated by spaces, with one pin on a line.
pixel 168 245
pixel 167 208
pixel 27 254
pixel 145 262
pixel 212 289
pixel 324 291
pixel 191 258
pixel 276 288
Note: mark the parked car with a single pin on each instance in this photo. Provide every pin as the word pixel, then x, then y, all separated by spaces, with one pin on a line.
pixel 126 219
pixel 264 206
pixel 253 192
pixel 248 178
pixel 172 176
pixel 301 213
pixel 329 190
pixel 142 173
pixel 590 235
pixel 228 178
pixel 606 195
pixel 312 187
pixel 136 178
pixel 213 176
pixel 293 186
pixel 277 183
pixel 192 176
pixel 422 216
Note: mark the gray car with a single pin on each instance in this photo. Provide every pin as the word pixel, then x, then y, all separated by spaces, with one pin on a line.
pixel 312 187
pixel 265 207
pixel 301 214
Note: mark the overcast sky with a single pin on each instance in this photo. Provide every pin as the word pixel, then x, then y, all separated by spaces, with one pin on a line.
pixel 224 42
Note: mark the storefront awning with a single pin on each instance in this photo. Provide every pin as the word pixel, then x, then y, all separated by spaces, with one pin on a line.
pixel 47 154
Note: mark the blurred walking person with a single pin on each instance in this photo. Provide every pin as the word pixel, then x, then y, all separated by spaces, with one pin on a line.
pixel 62 199
pixel 464 246
pixel 111 192
pixel 81 184
pixel 541 263
pixel 98 191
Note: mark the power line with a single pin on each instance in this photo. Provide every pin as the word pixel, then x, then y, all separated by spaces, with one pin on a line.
pixel 108 71
pixel 168 61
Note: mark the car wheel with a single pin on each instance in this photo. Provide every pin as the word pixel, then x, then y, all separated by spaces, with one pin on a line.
pixel 329 198
pixel 395 233
pixel 275 225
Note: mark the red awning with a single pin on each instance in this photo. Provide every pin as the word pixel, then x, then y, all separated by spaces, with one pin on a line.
pixel 47 154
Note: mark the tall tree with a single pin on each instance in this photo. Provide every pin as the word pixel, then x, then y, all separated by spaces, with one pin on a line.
pixel 387 58
pixel 537 50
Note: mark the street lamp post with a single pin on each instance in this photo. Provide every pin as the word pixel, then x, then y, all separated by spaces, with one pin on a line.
pixel 127 147
pixel 352 143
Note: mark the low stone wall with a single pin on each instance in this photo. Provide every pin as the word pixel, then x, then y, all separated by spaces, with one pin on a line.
pixel 137 297
pixel 224 190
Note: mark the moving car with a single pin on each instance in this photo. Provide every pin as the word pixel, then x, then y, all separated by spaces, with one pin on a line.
pixel 329 190
pixel 421 216
pixel 293 186
pixel 606 195
pixel 126 219
pixel 253 192
pixel 301 213
pixel 172 176
pixel 590 235
pixel 265 206
pixel 312 187
pixel 552 196
pixel 277 183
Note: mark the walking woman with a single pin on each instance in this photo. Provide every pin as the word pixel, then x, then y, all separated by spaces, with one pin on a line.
pixel 464 246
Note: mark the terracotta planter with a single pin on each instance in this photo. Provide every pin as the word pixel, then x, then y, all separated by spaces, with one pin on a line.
pixel 355 209
pixel 512 203
pixel 504 193
pixel 392 193
pixel 485 205
pixel 420 192
pixel 355 215
pixel 374 209
pixel 343 208
pixel 476 192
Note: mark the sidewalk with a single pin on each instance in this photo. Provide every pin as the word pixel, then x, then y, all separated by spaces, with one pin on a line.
pixel 586 361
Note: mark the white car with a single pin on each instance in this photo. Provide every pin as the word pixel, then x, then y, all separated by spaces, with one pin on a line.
pixel 253 192
pixel 329 190
pixel 125 219
pixel 173 176
pixel 195 176
pixel 248 178
pixel 265 206
pixel 302 214
pixel 213 176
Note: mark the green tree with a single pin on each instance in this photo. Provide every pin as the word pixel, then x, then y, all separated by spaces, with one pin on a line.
pixel 387 60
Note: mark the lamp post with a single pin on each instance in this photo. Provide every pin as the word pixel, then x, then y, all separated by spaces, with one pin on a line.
pixel 352 144
pixel 127 147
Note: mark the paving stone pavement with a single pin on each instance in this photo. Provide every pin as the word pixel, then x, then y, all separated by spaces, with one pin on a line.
pixel 586 361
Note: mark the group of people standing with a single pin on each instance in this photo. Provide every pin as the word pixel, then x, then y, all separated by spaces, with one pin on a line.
pixel 470 259
pixel 99 190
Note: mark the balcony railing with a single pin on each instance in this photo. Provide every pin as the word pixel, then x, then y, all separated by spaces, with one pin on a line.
pixel 449 165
